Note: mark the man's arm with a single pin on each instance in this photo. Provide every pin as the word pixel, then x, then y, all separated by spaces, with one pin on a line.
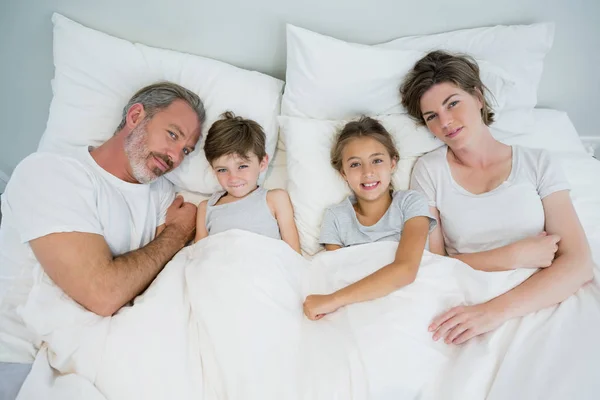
pixel 82 265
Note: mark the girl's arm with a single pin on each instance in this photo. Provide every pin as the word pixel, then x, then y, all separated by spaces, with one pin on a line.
pixel 284 214
pixel 436 237
pixel 201 231
pixel 572 268
pixel 401 272
pixel 332 247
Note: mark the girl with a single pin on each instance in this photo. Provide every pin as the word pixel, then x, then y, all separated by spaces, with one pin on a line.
pixel 365 156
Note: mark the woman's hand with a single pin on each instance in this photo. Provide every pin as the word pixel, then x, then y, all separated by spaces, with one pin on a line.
pixel 462 323
pixel 316 306
pixel 535 252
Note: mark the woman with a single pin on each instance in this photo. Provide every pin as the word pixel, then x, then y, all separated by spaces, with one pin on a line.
pixel 499 207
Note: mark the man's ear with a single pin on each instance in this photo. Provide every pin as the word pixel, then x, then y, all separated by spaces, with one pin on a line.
pixel 264 163
pixel 135 115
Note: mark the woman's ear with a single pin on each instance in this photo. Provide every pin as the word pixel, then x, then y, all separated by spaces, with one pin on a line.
pixel 394 164
pixel 480 97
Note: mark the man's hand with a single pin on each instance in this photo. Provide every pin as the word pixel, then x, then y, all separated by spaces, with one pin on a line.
pixel 182 216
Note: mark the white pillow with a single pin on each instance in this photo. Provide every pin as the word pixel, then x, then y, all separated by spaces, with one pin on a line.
pixel 328 78
pixel 518 49
pixel 552 130
pixel 314 185
pixel 96 74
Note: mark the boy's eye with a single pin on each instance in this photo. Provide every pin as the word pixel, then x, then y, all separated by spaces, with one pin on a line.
pixel 186 152
pixel 377 161
pixel 173 136
pixel 430 117
pixel 354 165
pixel 221 170
pixel 243 166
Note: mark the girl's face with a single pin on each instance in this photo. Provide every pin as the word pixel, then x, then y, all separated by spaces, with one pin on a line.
pixel 452 114
pixel 367 167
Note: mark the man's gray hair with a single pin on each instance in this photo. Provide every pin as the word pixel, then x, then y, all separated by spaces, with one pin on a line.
pixel 158 96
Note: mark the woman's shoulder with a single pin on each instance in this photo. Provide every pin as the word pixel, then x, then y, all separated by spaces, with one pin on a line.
pixel 434 157
pixel 532 158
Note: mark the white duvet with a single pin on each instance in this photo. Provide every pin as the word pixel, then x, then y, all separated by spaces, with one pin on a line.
pixel 224 321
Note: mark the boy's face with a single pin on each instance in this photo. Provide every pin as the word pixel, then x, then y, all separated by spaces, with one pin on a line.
pixel 238 175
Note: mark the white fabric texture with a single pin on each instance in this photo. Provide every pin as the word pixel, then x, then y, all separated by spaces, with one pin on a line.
pixel 512 211
pixel 51 193
pixel 222 324
pixel 519 50
pixel 328 78
pixel 314 185
pixel 90 90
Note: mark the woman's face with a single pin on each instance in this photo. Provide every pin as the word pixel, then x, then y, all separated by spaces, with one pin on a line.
pixel 452 114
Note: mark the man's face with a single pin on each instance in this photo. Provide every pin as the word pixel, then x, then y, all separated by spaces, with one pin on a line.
pixel 159 144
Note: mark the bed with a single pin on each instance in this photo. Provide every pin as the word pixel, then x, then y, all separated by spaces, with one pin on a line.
pixel 219 324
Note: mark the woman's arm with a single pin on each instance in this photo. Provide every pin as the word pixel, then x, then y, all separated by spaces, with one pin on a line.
pixel 284 214
pixel 572 268
pixel 332 247
pixel 401 272
pixel 534 252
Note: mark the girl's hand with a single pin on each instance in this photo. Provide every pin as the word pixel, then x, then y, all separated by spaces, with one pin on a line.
pixel 536 252
pixel 316 306
pixel 460 324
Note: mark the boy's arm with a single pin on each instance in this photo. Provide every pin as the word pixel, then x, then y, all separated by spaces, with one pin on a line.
pixel 284 214
pixel 201 231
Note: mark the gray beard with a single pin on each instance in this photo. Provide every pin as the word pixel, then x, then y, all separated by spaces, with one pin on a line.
pixel 137 153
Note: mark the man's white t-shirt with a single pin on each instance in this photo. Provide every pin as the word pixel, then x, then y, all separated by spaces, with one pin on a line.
pixel 51 193
pixel 480 222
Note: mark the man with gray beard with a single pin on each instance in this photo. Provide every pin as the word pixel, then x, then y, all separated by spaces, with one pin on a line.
pixel 101 222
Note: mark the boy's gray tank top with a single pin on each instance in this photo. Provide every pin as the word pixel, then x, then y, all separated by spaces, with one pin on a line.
pixel 252 213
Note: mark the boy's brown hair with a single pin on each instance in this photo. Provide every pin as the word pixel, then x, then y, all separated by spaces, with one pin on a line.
pixel 234 135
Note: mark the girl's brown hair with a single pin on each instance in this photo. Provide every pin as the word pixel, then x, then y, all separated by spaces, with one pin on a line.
pixel 364 127
pixel 437 67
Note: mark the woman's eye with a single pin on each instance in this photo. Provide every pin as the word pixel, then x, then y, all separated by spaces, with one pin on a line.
pixel 452 104
pixel 173 136
pixel 430 117
pixel 354 165
pixel 186 152
pixel 377 161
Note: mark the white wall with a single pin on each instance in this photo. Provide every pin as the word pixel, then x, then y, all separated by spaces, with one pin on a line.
pixel 250 34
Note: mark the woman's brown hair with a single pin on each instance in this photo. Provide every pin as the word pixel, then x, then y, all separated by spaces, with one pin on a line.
pixel 438 67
